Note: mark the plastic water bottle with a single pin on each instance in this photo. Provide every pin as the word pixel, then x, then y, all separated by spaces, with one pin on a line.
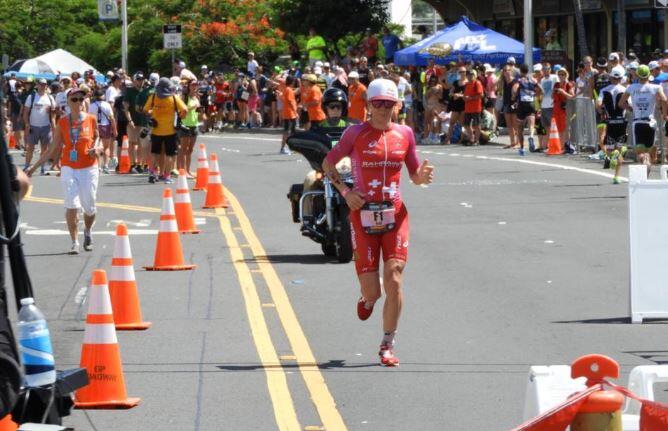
pixel 35 345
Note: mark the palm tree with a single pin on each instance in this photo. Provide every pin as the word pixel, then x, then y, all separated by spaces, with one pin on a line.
pixel 579 23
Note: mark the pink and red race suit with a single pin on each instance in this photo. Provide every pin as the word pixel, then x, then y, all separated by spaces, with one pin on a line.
pixel 377 157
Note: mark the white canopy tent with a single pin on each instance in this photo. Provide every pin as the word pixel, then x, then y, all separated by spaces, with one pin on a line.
pixel 51 64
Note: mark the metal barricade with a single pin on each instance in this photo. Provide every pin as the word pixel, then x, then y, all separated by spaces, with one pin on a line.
pixel 582 115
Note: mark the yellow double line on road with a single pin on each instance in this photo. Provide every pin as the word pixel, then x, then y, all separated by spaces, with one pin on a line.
pixel 284 409
pixel 315 382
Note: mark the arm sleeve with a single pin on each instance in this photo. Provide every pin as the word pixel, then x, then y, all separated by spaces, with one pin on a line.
pixel 412 161
pixel 345 145
pixel 28 101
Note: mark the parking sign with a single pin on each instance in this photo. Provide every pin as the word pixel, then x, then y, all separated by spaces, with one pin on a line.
pixel 172 36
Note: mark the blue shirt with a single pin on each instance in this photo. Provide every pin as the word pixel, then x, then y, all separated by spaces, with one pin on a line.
pixel 391 43
pixel 661 78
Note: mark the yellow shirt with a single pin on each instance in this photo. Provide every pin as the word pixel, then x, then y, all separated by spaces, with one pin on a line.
pixel 163 111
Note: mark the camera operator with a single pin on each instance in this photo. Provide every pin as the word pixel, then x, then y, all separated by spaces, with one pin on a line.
pixel 13 179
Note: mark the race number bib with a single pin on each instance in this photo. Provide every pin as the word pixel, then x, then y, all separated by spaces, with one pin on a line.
pixel 377 217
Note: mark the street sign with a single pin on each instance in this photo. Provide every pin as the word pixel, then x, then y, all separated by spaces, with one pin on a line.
pixel 661 4
pixel 172 36
pixel 107 10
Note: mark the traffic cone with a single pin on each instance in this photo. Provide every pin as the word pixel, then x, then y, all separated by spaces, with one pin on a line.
pixel 12 141
pixel 553 144
pixel 184 209
pixel 168 251
pixel 7 424
pixel 123 286
pixel 124 162
pixel 202 169
pixel 215 198
pixel 100 355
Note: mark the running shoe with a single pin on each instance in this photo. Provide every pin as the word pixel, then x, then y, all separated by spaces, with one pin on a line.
pixel 88 241
pixel 168 180
pixel 532 145
pixel 387 358
pixel 75 248
pixel 134 170
pixel 606 163
pixel 362 312
pixel 152 178
pixel 615 180
pixel 521 152
pixel 105 170
pixel 285 151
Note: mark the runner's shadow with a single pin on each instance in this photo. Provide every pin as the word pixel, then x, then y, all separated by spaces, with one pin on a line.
pixel 63 253
pixel 144 182
pixel 306 259
pixel 336 364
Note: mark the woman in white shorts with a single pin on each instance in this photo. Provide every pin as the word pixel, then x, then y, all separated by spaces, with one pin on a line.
pixel 77 140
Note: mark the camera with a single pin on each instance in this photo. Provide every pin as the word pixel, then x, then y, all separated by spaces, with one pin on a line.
pixel 144 132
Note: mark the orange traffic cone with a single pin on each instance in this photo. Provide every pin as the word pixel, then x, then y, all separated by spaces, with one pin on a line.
pixel 12 141
pixel 553 144
pixel 100 355
pixel 184 209
pixel 202 169
pixel 124 162
pixel 123 286
pixel 215 198
pixel 168 251
pixel 7 424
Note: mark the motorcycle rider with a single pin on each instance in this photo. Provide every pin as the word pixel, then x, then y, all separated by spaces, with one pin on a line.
pixel 335 105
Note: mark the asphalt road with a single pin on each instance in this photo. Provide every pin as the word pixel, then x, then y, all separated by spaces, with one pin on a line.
pixel 513 262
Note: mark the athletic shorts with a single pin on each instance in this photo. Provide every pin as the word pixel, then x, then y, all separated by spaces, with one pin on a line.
pixel 525 110
pixel 472 118
pixel 289 125
pixel 80 188
pixel 643 134
pixel 105 131
pixel 546 118
pixel 220 106
pixel 615 135
pixel 168 142
pixel 40 135
pixel 188 132
pixel 508 110
pixel 367 248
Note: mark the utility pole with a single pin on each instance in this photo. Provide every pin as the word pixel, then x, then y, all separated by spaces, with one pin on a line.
pixel 528 33
pixel 621 26
pixel 124 35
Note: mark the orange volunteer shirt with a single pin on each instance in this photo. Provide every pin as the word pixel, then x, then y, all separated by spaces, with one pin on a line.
pixel 314 96
pixel 473 88
pixel 289 103
pixel 83 144
pixel 357 104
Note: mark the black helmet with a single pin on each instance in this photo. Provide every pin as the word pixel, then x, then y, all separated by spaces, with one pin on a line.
pixel 335 95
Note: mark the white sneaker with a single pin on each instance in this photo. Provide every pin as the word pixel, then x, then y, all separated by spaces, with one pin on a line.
pixel 284 150
pixel 75 248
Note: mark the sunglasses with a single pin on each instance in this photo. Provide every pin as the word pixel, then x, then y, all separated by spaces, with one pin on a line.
pixel 462 71
pixel 76 99
pixel 335 106
pixel 387 104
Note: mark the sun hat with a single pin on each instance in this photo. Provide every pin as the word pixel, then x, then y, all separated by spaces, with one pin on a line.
pixel 643 71
pixel 353 75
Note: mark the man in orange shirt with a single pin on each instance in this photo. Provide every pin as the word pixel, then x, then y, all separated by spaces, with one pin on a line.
pixel 289 112
pixel 312 100
pixel 356 98
pixel 473 93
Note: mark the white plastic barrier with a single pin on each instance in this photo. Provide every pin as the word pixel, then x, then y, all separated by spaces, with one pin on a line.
pixel 552 385
pixel 549 386
pixel 648 227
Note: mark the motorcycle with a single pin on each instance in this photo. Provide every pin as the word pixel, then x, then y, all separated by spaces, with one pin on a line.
pixel 328 221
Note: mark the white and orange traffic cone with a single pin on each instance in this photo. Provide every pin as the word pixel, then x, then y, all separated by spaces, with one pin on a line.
pixel 100 355
pixel 553 144
pixel 123 286
pixel 168 251
pixel 124 164
pixel 183 207
pixel 215 196
pixel 202 169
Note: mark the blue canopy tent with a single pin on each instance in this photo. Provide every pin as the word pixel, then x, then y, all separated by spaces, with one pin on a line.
pixel 465 41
